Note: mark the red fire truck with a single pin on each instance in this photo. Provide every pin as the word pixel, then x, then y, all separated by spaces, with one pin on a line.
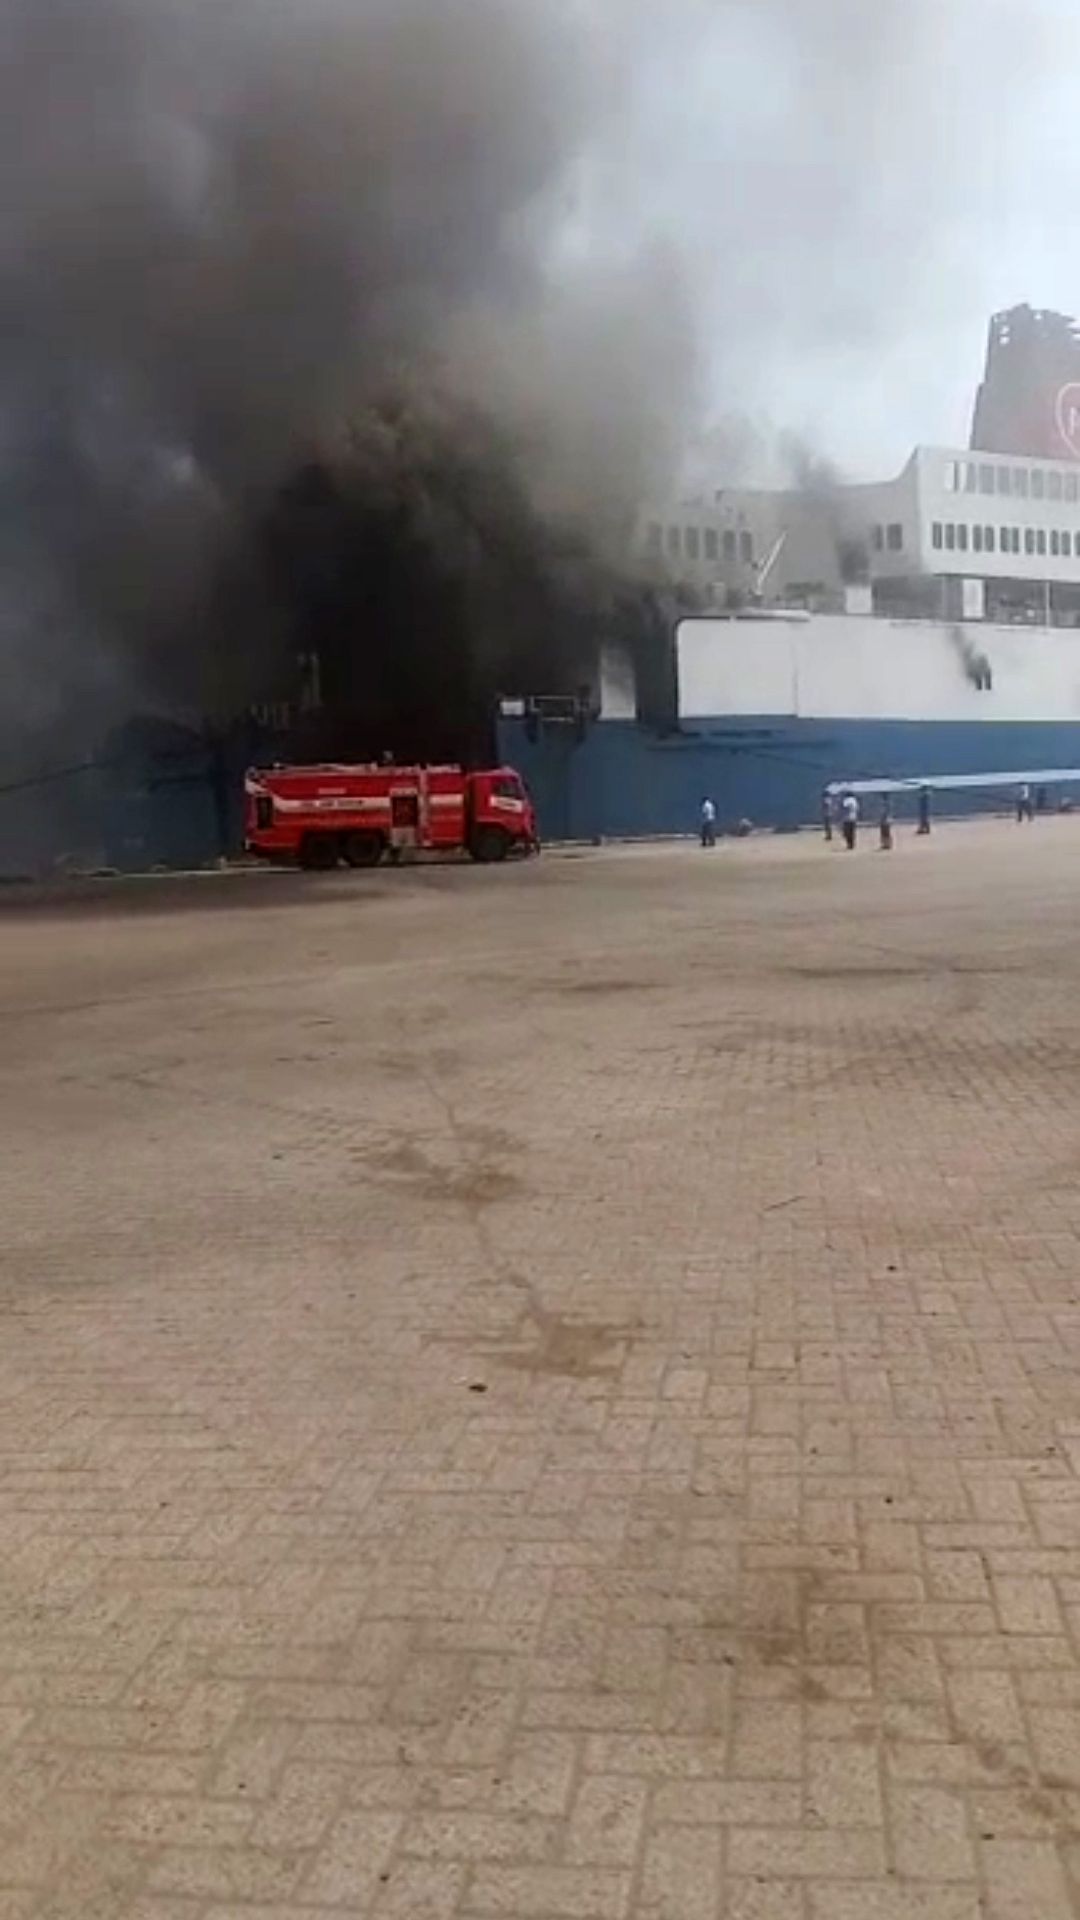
pixel 318 816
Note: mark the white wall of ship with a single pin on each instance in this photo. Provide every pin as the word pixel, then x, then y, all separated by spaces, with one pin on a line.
pixel 825 667
pixel 996 518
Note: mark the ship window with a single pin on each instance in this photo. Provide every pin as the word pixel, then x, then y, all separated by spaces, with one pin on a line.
pixel 1053 485
pixel 986 479
pixel 977 539
pixel 950 537
pixel 729 546
pixel 693 543
pixel 1040 540
pixel 971 478
pixel 896 538
pixel 656 537
pixel 1029 539
pixel 712 544
pixel 1004 479
pixel 938 536
pixel 1038 484
pixel 1020 482
pixel 674 541
pixel 746 547
pixel 1071 488
pixel 962 537
pixel 988 539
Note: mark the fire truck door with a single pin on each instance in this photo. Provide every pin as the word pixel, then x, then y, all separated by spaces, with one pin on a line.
pixel 404 819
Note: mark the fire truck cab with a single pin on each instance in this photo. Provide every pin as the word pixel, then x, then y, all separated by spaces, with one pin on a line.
pixel 319 816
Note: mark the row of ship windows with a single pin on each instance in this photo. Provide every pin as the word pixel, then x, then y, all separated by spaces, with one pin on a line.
pixel 1021 483
pixel 694 542
pixel 950 538
pixel 889 539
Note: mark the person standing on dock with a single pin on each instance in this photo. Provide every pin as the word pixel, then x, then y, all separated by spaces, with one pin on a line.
pixel 1024 809
pixel 924 809
pixel 885 824
pixel 849 814
pixel 828 813
pixel 708 823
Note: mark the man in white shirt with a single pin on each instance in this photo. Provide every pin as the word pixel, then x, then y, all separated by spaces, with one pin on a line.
pixel 708 823
pixel 849 814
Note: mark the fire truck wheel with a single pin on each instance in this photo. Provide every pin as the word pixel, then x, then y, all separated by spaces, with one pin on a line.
pixel 362 849
pixel 490 844
pixel 319 852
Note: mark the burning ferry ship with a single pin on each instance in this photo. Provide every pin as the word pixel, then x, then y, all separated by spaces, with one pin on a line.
pixel 926 630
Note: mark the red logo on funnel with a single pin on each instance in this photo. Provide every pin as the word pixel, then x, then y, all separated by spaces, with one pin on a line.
pixel 1068 417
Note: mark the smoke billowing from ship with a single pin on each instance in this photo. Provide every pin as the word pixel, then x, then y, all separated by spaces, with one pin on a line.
pixel 975 663
pixel 287 360
pixel 356 325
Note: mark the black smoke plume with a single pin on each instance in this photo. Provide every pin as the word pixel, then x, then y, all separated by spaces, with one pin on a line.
pixel 298 355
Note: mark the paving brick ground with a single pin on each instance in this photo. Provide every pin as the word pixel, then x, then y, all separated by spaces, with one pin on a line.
pixel 549 1393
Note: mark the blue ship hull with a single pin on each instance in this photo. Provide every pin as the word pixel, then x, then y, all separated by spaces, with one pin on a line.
pixel 623 780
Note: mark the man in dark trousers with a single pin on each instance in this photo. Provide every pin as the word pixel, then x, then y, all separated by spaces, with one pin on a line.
pixel 885 824
pixel 849 815
pixel 924 809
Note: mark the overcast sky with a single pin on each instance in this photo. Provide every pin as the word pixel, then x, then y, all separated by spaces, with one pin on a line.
pixel 855 185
